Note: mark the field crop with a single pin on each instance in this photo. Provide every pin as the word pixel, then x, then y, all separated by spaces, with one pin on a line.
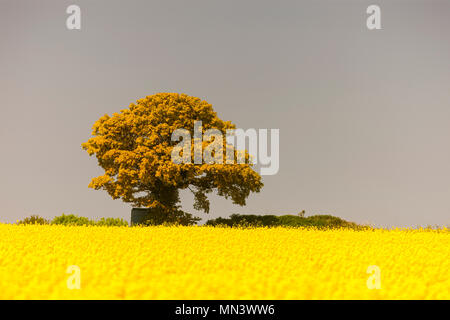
pixel 221 263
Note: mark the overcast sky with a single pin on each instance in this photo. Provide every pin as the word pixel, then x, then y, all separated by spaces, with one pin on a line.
pixel 364 116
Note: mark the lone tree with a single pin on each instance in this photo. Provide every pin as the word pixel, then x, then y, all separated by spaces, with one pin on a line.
pixel 134 148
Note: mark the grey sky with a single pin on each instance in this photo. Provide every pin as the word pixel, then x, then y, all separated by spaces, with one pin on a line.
pixel 364 116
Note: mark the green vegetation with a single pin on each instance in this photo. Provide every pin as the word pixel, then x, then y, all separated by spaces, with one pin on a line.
pixel 34 219
pixel 176 217
pixel 112 222
pixel 318 221
pixel 186 219
pixel 74 220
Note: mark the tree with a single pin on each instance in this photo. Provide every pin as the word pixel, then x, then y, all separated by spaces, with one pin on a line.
pixel 134 148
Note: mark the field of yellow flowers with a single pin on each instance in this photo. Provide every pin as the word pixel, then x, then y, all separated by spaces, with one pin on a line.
pixel 221 263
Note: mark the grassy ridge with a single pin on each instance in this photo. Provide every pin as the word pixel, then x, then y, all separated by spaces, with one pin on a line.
pixel 235 220
pixel 318 221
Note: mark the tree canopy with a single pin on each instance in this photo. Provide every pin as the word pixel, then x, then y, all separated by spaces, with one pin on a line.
pixel 134 148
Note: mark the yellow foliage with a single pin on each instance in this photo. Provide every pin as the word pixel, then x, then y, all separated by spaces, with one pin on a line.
pixel 221 263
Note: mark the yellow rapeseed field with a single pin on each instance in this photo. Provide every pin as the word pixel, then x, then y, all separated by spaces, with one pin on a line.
pixel 221 263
